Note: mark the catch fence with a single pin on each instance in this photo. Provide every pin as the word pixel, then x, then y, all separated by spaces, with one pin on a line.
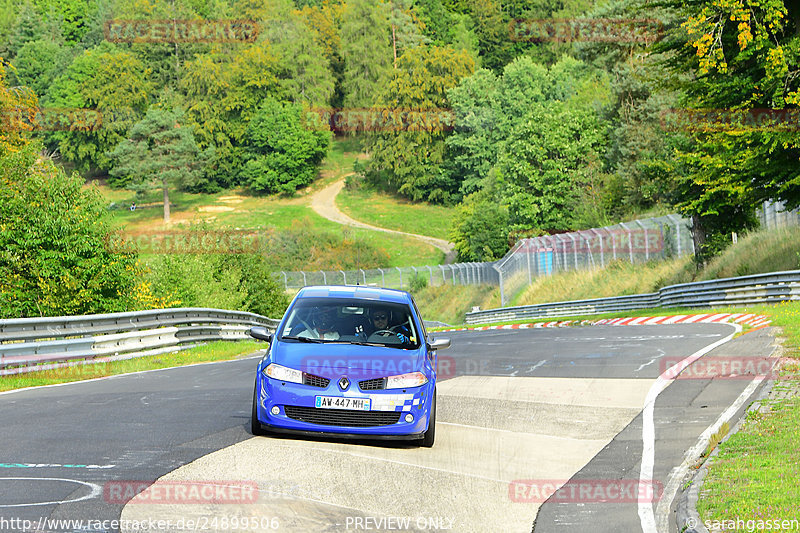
pixel 637 241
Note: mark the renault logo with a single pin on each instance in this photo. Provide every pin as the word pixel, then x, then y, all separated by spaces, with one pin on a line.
pixel 344 383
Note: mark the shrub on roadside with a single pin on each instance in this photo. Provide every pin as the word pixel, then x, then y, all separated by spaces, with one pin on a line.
pixel 54 258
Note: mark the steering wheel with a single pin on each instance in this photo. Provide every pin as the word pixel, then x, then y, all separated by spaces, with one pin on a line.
pixel 384 333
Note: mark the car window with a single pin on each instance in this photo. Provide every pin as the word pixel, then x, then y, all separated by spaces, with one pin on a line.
pixel 352 320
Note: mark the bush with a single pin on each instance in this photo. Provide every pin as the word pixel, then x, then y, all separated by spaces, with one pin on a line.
pixel 418 283
pixel 54 258
pixel 281 154
pixel 480 228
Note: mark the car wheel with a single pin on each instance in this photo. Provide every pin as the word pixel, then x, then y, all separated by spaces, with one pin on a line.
pixel 255 425
pixel 427 440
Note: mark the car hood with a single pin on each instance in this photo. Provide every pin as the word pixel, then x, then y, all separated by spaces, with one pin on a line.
pixel 333 361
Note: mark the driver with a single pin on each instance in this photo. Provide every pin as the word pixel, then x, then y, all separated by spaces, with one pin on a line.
pixel 380 322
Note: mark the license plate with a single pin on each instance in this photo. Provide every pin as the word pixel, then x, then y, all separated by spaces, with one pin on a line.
pixel 339 402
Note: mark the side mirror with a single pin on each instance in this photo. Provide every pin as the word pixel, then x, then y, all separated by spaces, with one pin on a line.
pixel 439 344
pixel 260 333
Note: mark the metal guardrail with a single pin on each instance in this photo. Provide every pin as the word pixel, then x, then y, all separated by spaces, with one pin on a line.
pixel 756 289
pixel 31 344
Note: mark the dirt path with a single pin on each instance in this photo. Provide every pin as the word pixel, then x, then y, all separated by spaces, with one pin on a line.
pixel 324 203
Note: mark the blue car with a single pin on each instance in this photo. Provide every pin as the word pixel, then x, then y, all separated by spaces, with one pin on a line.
pixel 349 362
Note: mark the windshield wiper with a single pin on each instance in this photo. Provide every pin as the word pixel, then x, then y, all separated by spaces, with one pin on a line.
pixel 305 339
pixel 364 343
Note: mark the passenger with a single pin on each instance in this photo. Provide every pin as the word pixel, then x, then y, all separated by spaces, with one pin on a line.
pixel 322 325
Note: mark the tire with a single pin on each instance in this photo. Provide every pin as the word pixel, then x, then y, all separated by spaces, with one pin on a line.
pixel 427 440
pixel 255 426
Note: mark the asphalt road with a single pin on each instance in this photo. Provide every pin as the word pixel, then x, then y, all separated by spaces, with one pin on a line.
pixel 557 404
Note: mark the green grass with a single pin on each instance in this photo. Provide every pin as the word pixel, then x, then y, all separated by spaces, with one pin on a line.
pixel 755 475
pixel 238 209
pixel 214 351
pixel 252 212
pixel 385 211
pixel 617 279
pixel 449 303
pixel 759 252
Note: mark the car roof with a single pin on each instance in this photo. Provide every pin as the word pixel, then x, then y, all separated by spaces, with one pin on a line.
pixel 355 291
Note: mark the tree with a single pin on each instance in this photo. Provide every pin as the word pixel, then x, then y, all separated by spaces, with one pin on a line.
pixel 742 55
pixel 544 164
pixel 305 74
pixel 408 152
pixel 159 152
pixel 480 228
pixel 406 33
pixel 283 150
pixel 223 92
pixel 54 235
pixel 38 63
pixel 110 82
pixel 18 109
pixel 366 51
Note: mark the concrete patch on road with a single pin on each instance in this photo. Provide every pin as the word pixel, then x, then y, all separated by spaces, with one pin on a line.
pixel 491 431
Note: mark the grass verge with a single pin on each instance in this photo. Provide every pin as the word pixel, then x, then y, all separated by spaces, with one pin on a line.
pixel 386 211
pixel 213 351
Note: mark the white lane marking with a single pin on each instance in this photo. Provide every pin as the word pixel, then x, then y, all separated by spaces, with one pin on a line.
pixel 537 365
pixel 53 465
pixel 651 361
pixel 96 491
pixel 646 515
pixel 404 463
pixel 663 510
pixel 129 374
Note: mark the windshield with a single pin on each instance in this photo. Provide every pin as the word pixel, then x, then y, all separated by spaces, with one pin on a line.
pixel 352 321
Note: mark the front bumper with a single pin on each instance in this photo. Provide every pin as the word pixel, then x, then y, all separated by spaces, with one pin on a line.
pixel 416 401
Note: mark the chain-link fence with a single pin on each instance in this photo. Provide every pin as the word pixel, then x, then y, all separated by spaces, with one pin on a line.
pixel 774 215
pixel 637 241
pixel 395 277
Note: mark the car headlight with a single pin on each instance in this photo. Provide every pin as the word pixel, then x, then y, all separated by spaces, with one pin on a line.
pixel 282 373
pixel 405 381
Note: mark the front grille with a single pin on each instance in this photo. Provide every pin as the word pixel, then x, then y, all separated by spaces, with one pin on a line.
pixel 342 417
pixel 315 381
pixel 373 384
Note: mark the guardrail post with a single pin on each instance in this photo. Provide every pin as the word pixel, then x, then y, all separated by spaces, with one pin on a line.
pixel 401 276
pixel 444 278
pixel 383 278
pixel 430 271
pixel 285 280
pixel 344 277
pixel 305 283
pixel 324 277
pixel 364 276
